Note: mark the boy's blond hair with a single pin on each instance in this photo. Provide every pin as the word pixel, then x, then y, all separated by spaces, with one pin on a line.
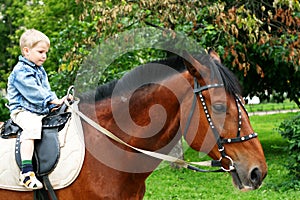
pixel 31 37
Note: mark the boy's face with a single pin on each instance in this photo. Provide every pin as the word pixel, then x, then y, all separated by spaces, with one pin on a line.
pixel 37 54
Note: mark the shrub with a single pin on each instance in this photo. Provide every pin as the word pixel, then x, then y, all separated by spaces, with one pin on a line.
pixel 4 112
pixel 290 129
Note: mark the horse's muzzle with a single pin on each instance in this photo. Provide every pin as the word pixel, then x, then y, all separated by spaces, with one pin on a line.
pixel 248 182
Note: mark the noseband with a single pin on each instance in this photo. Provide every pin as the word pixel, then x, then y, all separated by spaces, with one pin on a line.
pixel 220 141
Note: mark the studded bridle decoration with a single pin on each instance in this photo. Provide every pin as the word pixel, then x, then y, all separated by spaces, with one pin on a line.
pixel 220 141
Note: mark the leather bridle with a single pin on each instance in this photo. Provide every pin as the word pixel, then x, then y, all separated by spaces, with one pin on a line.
pixel 219 141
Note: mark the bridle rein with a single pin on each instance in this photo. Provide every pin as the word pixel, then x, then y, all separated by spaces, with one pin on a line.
pixel 220 141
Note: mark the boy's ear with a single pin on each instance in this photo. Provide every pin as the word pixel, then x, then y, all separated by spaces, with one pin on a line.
pixel 25 50
pixel 194 67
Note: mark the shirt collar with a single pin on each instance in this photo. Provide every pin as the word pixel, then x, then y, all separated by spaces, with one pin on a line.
pixel 24 60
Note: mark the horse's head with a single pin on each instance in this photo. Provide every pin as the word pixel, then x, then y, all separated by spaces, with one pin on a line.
pixel 222 128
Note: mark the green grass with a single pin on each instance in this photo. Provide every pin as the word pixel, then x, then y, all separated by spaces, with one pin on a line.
pixel 167 183
pixel 286 105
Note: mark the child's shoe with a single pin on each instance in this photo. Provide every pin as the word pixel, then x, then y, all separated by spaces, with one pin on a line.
pixel 30 181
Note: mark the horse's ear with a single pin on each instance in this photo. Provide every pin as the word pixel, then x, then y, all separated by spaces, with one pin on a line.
pixel 214 55
pixel 195 68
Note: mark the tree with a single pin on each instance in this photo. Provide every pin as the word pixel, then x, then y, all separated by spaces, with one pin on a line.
pixel 259 41
pixel 6 28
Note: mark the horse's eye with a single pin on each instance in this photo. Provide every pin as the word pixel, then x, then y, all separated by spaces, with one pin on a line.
pixel 219 108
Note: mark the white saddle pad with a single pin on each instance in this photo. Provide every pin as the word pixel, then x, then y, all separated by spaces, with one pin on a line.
pixel 72 150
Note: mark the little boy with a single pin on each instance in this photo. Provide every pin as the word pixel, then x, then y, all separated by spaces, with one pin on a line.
pixel 30 98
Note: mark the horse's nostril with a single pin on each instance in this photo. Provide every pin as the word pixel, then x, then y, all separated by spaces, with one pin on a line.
pixel 256 177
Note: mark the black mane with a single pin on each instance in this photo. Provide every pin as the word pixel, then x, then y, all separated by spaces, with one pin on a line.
pixel 231 84
pixel 106 90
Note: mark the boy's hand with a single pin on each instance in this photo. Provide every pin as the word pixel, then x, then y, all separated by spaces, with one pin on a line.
pixel 69 97
pixel 62 100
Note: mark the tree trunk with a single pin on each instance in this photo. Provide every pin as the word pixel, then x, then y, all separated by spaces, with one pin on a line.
pixel 177 152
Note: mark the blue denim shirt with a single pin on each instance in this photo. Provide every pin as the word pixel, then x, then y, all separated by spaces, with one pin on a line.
pixel 28 88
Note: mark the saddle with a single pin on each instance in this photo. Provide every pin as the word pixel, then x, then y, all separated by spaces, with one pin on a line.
pixel 47 150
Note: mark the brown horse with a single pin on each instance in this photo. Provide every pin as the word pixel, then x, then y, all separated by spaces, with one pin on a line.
pixel 199 100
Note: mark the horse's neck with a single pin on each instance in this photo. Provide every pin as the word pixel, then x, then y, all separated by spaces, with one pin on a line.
pixel 148 119
pixel 149 115
pixel 142 118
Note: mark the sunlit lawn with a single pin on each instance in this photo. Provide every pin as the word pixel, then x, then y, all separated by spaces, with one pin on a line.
pixel 286 105
pixel 168 183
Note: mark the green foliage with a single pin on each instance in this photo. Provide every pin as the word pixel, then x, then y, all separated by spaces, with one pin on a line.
pixel 290 129
pixel 128 61
pixel 258 41
pixel 4 112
